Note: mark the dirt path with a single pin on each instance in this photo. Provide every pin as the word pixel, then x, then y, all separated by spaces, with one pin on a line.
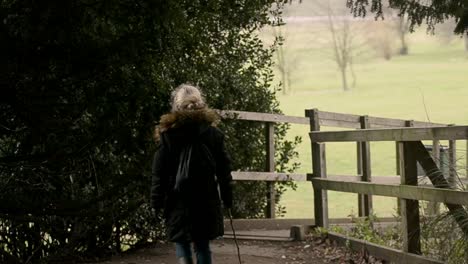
pixel 252 252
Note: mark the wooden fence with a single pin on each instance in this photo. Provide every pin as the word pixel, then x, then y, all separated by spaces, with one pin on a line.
pixel 407 135
pixel 269 174
pixel 411 151
pixel 317 119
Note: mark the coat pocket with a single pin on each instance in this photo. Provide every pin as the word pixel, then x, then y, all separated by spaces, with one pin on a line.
pixel 177 225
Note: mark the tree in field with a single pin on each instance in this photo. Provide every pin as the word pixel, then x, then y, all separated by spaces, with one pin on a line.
pixel 83 83
pixel 286 61
pixel 401 26
pixel 395 27
pixel 344 41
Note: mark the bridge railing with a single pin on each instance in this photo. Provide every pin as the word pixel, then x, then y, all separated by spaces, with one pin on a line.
pixel 269 174
pixel 407 135
pixel 316 119
pixel 411 152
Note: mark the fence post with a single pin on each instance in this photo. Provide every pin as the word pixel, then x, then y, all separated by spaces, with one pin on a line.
pixel 319 171
pixel 452 162
pixel 364 169
pixel 398 172
pixel 408 123
pixel 433 207
pixel 409 208
pixel 270 167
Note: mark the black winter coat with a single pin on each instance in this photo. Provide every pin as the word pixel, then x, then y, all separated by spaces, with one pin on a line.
pixel 196 213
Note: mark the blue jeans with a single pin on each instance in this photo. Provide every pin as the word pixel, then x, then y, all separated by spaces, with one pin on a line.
pixel 201 248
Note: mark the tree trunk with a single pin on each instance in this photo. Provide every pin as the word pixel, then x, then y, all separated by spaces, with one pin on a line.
pixel 282 68
pixel 466 42
pixel 289 80
pixel 344 79
pixel 404 46
pixel 281 64
pixel 402 32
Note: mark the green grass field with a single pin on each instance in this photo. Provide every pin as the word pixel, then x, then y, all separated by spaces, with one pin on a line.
pixel 430 84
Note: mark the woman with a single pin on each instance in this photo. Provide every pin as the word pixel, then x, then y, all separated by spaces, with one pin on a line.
pixel 191 203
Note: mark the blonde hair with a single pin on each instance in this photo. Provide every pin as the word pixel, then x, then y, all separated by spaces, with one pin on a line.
pixel 187 97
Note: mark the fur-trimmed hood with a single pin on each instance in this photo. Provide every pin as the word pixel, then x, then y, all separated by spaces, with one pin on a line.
pixel 178 119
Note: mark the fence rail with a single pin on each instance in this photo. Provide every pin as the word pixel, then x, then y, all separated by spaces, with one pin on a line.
pixel 392 134
pixel 399 191
pixel 267 176
pixel 330 119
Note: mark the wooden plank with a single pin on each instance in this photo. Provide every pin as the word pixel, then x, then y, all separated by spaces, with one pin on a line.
pixel 382 252
pixel 398 172
pixel 273 224
pixel 427 124
pixel 391 134
pixel 339 116
pixel 326 119
pixel 409 208
pixel 267 176
pixel 402 191
pixel 352 121
pixel 282 176
pixel 394 180
pixel 375 179
pixel 359 172
pixel 365 201
pixel 319 169
pixel 407 123
pixel 338 123
pixel 270 167
pixel 397 152
pixel 436 151
pixel 338 119
pixel 263 117
pixel 452 163
pixel 282 223
pixel 241 236
pixel 377 122
pixel 345 178
pixel 320 196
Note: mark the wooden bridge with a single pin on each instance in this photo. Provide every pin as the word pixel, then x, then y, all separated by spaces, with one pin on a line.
pixel 404 185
